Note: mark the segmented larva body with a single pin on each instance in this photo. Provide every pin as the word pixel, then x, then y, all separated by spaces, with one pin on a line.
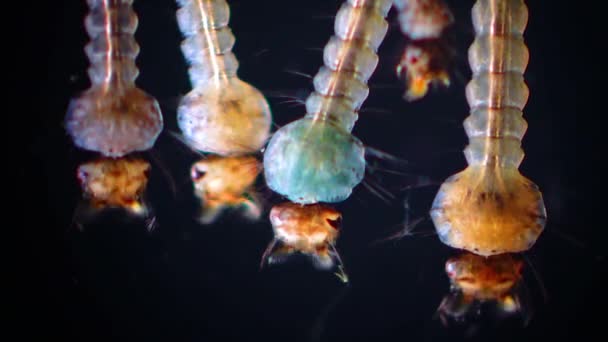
pixel 222 114
pixel 490 208
pixel 497 93
pixel 113 117
pixel 316 159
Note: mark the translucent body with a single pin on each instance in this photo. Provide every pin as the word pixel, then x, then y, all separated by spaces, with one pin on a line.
pixel 423 19
pixel 420 66
pixel 222 114
pixel 316 159
pixel 490 208
pixel 115 183
pixel 226 182
pixel 113 117
pixel 309 229
pixel 475 279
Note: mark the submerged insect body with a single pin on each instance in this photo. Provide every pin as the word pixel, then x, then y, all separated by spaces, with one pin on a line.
pixel 222 114
pixel 427 55
pixel 423 19
pixel 316 159
pixel 113 117
pixel 490 208
pixel 423 64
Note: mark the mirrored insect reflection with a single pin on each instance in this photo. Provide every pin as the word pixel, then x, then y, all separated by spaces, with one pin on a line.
pixel 109 183
pixel 484 285
pixel 311 230
pixel 223 183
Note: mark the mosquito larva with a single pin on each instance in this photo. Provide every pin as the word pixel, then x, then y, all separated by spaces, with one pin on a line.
pixel 490 208
pixel 316 159
pixel 423 19
pixel 113 117
pixel 427 55
pixel 222 114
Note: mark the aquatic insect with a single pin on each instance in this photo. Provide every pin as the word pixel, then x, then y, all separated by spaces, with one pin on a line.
pixel 316 159
pixel 115 183
pixel 423 19
pixel 427 56
pixel 475 280
pixel 226 182
pixel 222 114
pixel 113 117
pixel 490 208
pixel 308 229
pixel 423 64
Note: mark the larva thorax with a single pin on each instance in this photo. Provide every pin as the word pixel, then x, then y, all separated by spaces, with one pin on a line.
pixel 316 159
pixel 113 117
pixel 490 207
pixel 222 114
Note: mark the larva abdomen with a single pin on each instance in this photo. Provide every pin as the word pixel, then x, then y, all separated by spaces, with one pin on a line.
pixel 497 92
pixel 499 18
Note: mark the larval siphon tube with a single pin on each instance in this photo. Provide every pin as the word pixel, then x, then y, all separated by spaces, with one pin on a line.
pixel 490 208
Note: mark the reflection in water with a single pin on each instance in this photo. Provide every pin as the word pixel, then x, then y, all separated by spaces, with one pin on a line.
pixel 477 280
pixel 308 229
pixel 226 182
pixel 109 183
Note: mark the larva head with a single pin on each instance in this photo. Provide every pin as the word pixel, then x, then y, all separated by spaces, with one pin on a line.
pixel 305 228
pixel 484 278
pixel 312 161
pixel 422 65
pixel 114 122
pixel 489 210
pixel 115 183
pixel 476 280
pixel 225 116
pixel 224 179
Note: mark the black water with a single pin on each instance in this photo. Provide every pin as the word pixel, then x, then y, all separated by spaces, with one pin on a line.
pixel 185 282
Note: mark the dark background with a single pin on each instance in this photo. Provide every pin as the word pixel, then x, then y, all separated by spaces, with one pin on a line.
pixel 186 282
